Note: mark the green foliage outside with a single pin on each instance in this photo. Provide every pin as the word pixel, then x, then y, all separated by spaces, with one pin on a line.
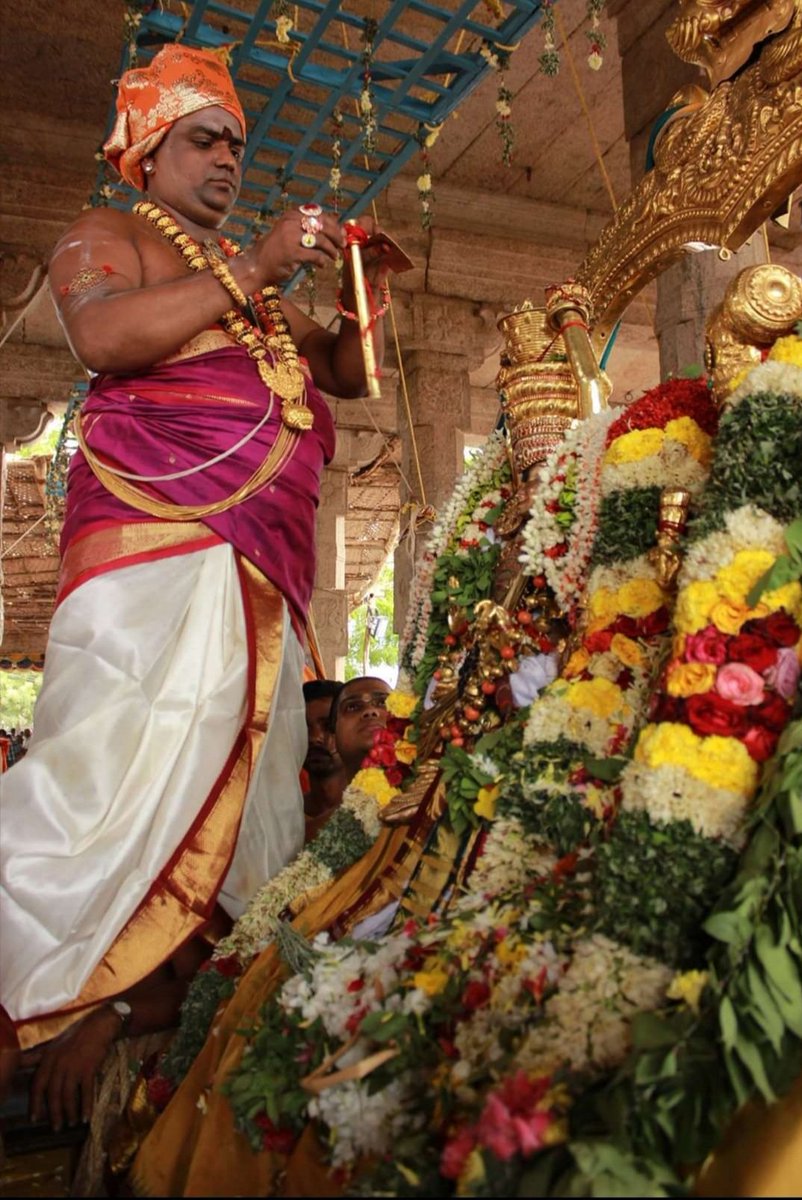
pixel 383 650
pixel 18 692
pixel 46 444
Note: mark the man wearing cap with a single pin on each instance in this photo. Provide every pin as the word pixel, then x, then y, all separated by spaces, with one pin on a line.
pixel 162 776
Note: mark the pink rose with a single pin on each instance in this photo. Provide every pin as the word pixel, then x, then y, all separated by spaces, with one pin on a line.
pixel 740 684
pixel 784 675
pixel 531 1130
pixel 708 645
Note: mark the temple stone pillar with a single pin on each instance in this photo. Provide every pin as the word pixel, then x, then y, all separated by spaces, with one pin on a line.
pixel 329 599
pixel 686 294
pixel 444 343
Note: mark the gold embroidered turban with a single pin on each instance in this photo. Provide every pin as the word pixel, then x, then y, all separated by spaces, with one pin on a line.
pixel 178 81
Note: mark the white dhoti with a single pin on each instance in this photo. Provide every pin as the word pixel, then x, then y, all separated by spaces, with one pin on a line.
pixel 163 770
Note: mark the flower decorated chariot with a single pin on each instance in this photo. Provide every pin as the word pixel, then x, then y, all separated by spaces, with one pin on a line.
pixel 551 942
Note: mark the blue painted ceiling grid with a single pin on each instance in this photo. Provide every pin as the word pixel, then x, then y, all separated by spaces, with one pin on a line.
pixel 289 102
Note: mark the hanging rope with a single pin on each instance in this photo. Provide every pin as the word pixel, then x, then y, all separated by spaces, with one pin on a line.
pixel 584 105
pixel 595 142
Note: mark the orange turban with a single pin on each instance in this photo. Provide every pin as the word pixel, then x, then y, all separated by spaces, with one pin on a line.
pixel 151 99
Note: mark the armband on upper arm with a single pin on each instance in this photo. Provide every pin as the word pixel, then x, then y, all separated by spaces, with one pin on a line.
pixel 85 280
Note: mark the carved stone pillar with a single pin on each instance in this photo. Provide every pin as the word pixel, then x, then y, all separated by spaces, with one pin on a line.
pixel 445 338
pixel 686 294
pixel 22 420
pixel 330 600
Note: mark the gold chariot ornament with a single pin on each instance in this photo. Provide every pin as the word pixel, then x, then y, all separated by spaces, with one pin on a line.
pixel 760 305
pixel 724 161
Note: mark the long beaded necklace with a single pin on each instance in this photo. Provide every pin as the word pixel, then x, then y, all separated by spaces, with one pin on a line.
pixel 283 376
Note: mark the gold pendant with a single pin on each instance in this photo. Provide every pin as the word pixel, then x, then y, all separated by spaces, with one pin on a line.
pixel 297 416
pixel 289 385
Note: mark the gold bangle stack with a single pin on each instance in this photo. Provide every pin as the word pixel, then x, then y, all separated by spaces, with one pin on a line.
pixel 223 274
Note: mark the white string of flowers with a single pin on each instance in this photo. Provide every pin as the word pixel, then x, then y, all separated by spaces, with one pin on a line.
pixel 477 476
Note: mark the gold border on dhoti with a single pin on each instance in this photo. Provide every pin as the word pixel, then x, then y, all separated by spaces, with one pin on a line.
pixel 182 898
pixel 110 547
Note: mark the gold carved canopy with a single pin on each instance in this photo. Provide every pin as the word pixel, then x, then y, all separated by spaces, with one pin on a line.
pixel 725 160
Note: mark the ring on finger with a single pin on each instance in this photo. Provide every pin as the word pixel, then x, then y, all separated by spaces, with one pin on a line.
pixel 310 210
pixel 308 240
pixel 311 224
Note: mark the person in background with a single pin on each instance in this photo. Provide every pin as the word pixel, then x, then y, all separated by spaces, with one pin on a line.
pixel 357 712
pixel 323 766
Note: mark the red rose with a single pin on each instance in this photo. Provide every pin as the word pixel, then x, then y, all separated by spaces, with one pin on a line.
pixel 383 755
pixel 395 728
pixel 230 966
pixel 655 622
pixel 598 643
pixel 773 713
pixel 782 629
pixel 760 742
pixel 476 994
pixel 281 1141
pixel 355 1019
pixel 753 651
pixel 712 714
pixel 160 1092
pixel 456 1153
pixel 564 866
pixel 631 627
pixel 666 708
pixel 395 776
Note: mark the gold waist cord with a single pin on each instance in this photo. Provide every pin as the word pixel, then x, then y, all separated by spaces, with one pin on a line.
pixel 269 469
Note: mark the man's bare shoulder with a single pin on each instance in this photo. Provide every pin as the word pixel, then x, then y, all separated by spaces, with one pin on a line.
pixel 101 223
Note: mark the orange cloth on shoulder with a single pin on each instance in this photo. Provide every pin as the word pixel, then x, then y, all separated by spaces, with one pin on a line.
pixel 177 82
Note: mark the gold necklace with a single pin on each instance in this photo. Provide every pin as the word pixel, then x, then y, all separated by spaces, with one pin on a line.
pixel 286 439
pixel 284 376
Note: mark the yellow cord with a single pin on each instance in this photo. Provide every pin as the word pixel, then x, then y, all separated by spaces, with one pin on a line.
pixel 583 102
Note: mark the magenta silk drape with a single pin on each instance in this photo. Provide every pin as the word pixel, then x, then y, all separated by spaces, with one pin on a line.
pixel 178 415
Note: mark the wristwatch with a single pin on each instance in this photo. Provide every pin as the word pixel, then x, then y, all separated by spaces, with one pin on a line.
pixel 124 1011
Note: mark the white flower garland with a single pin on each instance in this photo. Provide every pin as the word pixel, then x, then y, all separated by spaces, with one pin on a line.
pixel 582 451
pixel 507 863
pixel 476 478
pixel 783 378
pixel 587 1021
pixel 746 528
pixel 670 793
pixel 256 928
